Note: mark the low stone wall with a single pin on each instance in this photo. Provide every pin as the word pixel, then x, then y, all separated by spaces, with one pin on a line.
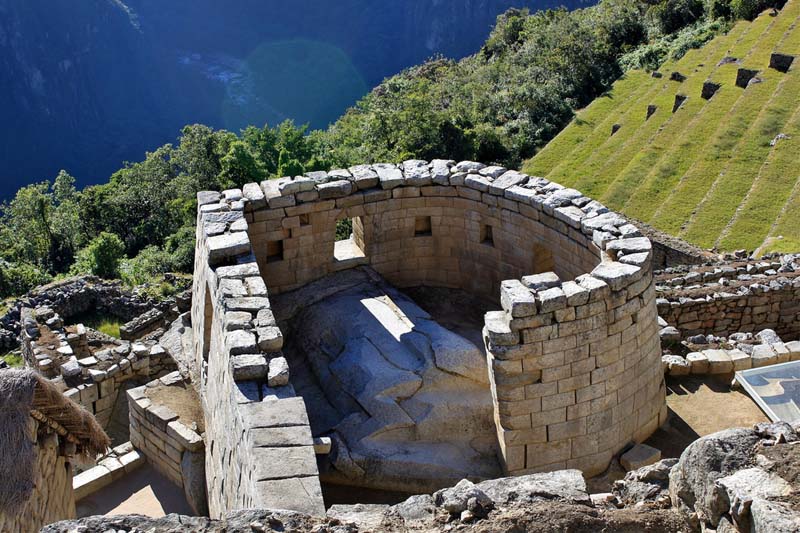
pixel 90 376
pixel 52 498
pixel 745 297
pixel 122 460
pixel 173 448
pixel 259 449
pixel 728 360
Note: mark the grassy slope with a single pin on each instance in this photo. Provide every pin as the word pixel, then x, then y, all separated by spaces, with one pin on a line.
pixel 707 171
pixel 679 143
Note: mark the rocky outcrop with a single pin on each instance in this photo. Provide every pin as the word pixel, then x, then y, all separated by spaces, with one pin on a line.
pixel 406 399
pixel 547 503
pixel 731 480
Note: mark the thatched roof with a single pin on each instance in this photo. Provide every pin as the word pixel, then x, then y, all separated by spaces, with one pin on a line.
pixel 24 394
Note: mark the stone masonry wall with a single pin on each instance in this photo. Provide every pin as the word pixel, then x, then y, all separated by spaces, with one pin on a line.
pixel 52 499
pixel 575 365
pixel 744 296
pixel 170 446
pixel 259 448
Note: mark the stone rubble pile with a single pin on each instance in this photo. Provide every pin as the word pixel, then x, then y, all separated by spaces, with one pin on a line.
pixel 730 481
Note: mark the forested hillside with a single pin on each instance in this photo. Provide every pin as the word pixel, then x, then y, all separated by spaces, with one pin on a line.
pixel 693 152
pixel 499 105
pixel 89 84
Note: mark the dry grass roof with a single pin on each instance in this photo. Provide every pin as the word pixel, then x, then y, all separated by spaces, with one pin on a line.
pixel 25 395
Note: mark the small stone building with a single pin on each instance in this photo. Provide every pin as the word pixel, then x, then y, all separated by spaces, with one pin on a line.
pixel 42 434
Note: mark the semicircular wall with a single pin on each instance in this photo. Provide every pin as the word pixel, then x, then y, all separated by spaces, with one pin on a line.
pixel 572 350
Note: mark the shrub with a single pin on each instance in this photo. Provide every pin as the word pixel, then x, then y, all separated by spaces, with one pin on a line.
pixel 150 262
pixel 19 278
pixel 101 257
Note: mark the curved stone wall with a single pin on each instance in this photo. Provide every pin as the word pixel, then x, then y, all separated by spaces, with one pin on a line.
pixel 574 354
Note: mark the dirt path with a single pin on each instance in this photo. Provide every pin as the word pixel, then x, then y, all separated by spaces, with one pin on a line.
pixel 701 406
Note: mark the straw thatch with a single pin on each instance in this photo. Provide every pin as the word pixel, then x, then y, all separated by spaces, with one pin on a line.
pixel 25 395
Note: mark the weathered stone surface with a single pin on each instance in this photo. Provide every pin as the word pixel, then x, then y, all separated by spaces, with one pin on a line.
pixel 540 282
pixel 517 299
pixel 278 375
pixel 249 367
pixel 193 472
pixel 562 485
pixel 692 480
pixel 617 275
pixel 226 246
pixel 334 189
pixel 389 176
pixel 639 456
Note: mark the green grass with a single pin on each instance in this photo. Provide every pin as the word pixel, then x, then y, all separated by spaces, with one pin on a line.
pixel 758 118
pixel 680 141
pixel 685 141
pixel 14 360
pixel 611 171
pixel 103 323
pixel 705 172
pixel 785 236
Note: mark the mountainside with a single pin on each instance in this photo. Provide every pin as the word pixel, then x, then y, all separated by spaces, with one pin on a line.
pixel 716 168
pixel 87 85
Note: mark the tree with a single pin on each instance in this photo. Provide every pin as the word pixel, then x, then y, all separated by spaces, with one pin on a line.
pixel 101 257
pixel 239 166
pixel 288 166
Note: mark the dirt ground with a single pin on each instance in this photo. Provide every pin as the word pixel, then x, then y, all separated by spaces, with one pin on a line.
pixel 699 406
pixel 144 492
pixel 183 400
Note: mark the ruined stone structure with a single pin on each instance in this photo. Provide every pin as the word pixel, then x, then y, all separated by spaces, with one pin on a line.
pixel 573 356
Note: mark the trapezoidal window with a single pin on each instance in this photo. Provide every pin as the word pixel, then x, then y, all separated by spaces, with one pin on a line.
pixel 349 242
pixel 487 235
pixel 422 227
pixel 274 251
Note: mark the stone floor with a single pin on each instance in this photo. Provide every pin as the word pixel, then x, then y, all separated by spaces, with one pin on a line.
pixel 143 491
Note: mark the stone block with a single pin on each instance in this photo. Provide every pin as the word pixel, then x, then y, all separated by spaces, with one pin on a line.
pixel 719 362
pixel 278 437
pixel 540 282
pixel 227 246
pixel 740 360
pixel 248 367
pixel 275 413
pixel 270 338
pixel 763 355
pixel 188 439
pixel 90 481
pixel 301 494
pixel 278 374
pixel 698 362
pixel 639 456
pixel 516 299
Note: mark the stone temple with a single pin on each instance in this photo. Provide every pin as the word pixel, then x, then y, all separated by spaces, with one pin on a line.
pixel 476 323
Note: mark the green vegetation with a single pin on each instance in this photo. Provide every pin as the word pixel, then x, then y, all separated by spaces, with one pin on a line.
pixel 500 106
pixel 707 171
pixel 13 359
pixel 98 321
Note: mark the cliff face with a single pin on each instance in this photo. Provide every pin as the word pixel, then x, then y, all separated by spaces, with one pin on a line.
pixel 87 85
